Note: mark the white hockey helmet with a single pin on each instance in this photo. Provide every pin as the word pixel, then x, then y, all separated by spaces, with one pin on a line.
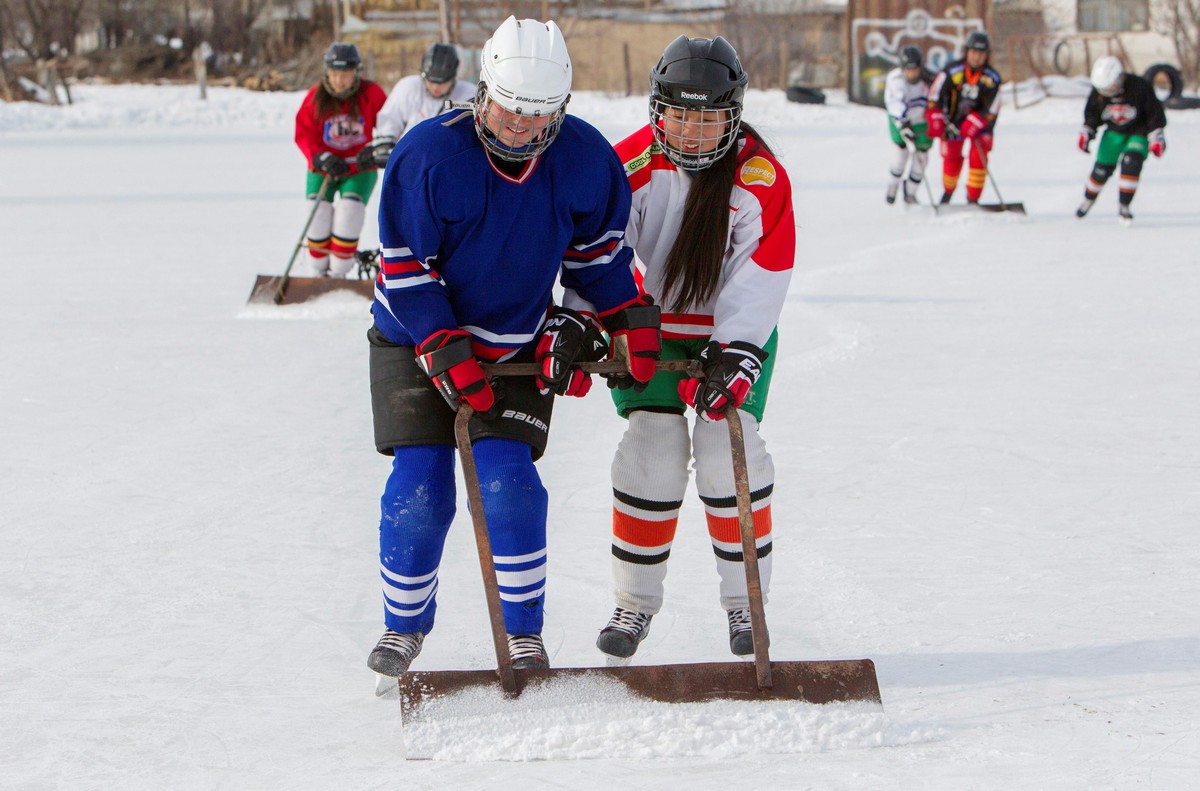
pixel 1108 75
pixel 525 69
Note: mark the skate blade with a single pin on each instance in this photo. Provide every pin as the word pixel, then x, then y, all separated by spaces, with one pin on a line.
pixel 616 661
pixel 386 688
pixel 1125 221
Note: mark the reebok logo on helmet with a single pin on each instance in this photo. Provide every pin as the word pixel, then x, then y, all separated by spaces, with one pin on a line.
pixel 695 97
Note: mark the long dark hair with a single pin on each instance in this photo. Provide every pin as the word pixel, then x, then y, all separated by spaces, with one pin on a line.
pixel 327 105
pixel 693 269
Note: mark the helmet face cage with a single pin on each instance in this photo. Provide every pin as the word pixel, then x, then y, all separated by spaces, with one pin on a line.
pixel 696 92
pixel 693 136
pixel 342 57
pixel 484 102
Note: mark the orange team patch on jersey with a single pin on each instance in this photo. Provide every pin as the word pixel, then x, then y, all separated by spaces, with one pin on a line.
pixel 757 170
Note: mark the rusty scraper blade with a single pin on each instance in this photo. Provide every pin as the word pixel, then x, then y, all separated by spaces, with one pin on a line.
pixel 814 682
pixel 266 289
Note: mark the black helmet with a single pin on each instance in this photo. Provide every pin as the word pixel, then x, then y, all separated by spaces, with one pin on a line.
pixel 342 56
pixel 911 58
pixel 698 74
pixel 440 63
pixel 978 40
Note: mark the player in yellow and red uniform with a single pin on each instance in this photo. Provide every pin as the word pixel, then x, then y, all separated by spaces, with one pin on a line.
pixel 964 101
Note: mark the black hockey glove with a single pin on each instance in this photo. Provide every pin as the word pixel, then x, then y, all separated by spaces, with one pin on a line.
pixel 729 373
pixel 375 155
pixel 907 133
pixel 569 337
pixel 331 165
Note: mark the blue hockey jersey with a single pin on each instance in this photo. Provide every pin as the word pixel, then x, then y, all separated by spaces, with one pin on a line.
pixel 466 245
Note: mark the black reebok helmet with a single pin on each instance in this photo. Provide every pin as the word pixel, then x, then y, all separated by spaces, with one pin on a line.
pixel 342 56
pixel 978 40
pixel 697 75
pixel 440 63
pixel 911 58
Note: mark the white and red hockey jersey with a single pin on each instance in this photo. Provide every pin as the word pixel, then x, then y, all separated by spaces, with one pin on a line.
pixel 758 256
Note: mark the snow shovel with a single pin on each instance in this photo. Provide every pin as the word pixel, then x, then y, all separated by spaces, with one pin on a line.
pixel 811 681
pixel 287 290
pixel 1018 208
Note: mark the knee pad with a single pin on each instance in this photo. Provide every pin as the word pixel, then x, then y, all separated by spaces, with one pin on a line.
pixel 348 219
pixel 1131 163
pixel 899 161
pixel 714 462
pixel 651 460
pixel 1102 173
pixel 322 222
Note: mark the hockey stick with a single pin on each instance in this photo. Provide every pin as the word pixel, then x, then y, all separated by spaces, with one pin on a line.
pixel 491 586
pixel 741 483
pixel 1019 208
pixel 277 297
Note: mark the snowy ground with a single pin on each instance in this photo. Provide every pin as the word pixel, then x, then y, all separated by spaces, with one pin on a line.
pixel 985 428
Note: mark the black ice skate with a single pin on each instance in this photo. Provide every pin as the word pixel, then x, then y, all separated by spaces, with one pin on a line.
pixel 395 652
pixel 891 193
pixel 528 652
pixel 1126 214
pixel 1084 207
pixel 741 638
pixel 946 198
pixel 625 631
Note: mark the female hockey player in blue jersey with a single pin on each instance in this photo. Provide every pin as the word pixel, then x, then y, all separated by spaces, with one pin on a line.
pixel 712 224
pixel 481 211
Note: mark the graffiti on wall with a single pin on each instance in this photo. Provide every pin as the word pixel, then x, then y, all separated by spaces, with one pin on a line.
pixel 876 44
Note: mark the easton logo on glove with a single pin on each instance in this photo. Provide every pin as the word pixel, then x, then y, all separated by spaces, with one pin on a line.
pixel 729 373
pixel 568 337
pixel 447 359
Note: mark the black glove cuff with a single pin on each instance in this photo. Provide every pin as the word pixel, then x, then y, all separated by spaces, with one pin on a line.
pixel 439 359
pixel 633 318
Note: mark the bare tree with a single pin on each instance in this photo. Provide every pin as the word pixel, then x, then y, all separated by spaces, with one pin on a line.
pixel 1181 22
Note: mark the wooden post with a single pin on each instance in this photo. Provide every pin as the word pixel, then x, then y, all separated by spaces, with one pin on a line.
pixel 443 20
pixel 200 55
pixel 47 78
pixel 628 70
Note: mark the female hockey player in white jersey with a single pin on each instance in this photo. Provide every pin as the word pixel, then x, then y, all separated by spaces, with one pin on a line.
pixel 905 95
pixel 480 213
pixel 712 225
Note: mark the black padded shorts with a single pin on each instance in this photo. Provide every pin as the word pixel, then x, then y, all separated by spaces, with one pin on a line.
pixel 408 409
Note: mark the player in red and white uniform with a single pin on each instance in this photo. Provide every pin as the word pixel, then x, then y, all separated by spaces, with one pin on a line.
pixel 334 126
pixel 713 231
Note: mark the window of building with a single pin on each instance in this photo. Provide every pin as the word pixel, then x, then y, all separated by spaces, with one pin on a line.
pixel 1113 16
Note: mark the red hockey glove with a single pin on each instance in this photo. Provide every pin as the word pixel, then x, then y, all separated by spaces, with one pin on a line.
pixel 1086 136
pixel 729 373
pixel 569 337
pixel 972 125
pixel 1158 143
pixel 634 328
pixel 937 122
pixel 447 359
